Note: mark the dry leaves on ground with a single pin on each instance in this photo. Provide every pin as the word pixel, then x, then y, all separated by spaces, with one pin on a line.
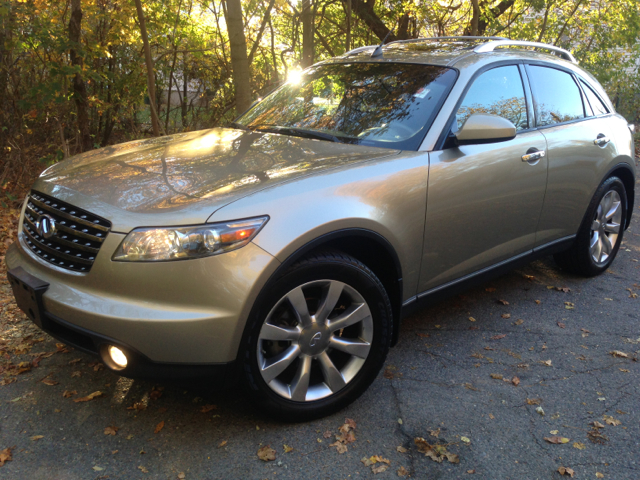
pixel 69 393
pixel 403 472
pixel 506 315
pixel 515 381
pixel 401 449
pixel 609 420
pixel 36 437
pixel 138 406
pixel 519 322
pixel 619 354
pixel 267 454
pixel 143 469
pixel 496 376
pixel 5 455
pixel 498 337
pixel 159 427
pixel 557 439
pixel 566 471
pixel 437 453
pixel 208 408
pixel 579 445
pixel 111 430
pixel 287 448
pixel 222 443
pixel 561 325
pixel 346 436
pixel 503 302
pixel 546 362
pixel 89 397
pixel 534 401
pixel 50 382
pixel 377 463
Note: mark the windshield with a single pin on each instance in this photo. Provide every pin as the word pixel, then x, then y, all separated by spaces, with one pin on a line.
pixel 387 105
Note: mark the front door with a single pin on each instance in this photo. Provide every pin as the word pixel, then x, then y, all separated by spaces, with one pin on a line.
pixel 484 201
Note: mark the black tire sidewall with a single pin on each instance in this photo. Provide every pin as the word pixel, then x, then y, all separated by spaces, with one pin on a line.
pixel 332 266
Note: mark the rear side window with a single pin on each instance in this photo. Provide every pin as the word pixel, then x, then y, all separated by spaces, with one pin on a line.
pixel 556 94
pixel 498 91
pixel 595 102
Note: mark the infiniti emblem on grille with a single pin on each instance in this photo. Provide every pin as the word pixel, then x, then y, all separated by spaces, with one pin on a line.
pixel 46 226
pixel 315 339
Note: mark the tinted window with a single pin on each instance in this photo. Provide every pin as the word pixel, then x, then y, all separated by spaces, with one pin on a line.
pixel 557 97
pixel 595 102
pixel 497 92
pixel 380 104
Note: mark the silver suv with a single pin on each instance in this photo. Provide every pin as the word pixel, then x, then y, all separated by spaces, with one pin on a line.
pixel 286 250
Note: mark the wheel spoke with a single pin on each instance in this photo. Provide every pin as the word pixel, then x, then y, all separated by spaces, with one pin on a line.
pixel 612 227
pixel 332 376
pixel 607 248
pixel 329 301
pixel 352 347
pixel 607 203
pixel 612 210
pixel 299 304
pixel 300 383
pixel 351 316
pixel 600 212
pixel 596 249
pixel 275 366
pixel 272 332
pixel 594 239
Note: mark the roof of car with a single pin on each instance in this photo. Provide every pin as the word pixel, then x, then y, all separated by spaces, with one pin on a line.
pixel 447 51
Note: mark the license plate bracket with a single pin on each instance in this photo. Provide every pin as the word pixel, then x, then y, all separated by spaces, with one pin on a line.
pixel 28 291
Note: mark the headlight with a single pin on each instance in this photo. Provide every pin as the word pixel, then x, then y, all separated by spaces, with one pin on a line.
pixel 157 244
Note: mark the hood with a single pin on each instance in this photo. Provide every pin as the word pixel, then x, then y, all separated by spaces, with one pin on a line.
pixel 184 178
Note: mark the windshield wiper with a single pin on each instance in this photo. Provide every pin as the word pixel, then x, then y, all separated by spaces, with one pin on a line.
pixel 298 132
pixel 239 126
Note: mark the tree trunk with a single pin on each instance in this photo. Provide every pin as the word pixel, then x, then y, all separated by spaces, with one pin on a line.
pixel 239 58
pixel 307 33
pixel 151 79
pixel 79 88
pixel 348 37
pixel 475 18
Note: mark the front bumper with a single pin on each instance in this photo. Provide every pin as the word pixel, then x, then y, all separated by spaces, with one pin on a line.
pixel 181 313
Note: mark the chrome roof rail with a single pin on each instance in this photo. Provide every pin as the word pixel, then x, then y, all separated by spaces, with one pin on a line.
pixel 360 49
pixel 491 46
pixel 457 37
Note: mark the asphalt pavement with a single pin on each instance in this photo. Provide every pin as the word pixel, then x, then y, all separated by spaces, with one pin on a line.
pixel 488 379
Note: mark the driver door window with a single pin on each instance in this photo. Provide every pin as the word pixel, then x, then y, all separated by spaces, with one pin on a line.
pixel 496 92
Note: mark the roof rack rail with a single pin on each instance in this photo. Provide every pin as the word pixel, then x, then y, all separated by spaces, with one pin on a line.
pixel 491 46
pixel 411 40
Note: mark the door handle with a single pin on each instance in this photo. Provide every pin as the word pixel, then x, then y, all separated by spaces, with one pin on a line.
pixel 533 155
pixel 601 140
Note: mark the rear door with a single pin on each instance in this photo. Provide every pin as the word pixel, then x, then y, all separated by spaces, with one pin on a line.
pixel 578 147
pixel 484 201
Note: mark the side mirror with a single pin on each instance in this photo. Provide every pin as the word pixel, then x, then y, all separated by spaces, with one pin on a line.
pixel 483 128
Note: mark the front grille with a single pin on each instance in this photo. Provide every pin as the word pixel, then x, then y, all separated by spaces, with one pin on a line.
pixel 77 237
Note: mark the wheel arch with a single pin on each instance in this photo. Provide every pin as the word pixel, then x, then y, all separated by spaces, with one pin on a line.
pixel 367 246
pixel 626 174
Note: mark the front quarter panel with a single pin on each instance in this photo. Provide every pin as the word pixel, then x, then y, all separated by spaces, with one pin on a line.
pixel 385 196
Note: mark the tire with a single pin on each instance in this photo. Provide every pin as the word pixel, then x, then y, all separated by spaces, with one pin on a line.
pixel 304 341
pixel 598 230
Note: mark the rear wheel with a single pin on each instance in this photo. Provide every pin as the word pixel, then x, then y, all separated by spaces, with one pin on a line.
pixel 318 339
pixel 600 235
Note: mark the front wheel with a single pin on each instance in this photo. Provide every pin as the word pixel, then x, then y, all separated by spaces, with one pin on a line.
pixel 318 339
pixel 600 234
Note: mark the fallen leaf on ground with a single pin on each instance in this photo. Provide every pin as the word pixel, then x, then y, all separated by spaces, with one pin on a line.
pixel 267 454
pixel 540 411
pixel 579 445
pixel 534 401
pixel 609 420
pixel 111 430
pixel 471 319
pixel 618 353
pixel 546 362
pixel 538 302
pixel 506 315
pixel 569 305
pixel 566 471
pixel 181 476
pixel 528 277
pixel 595 436
pixel 403 472
pixel 498 337
pixel 496 376
pixel 76 374
pixel 490 289
pixel 138 406
pixel 624 370
pixel 557 440
pixel 89 397
pixel 159 427
pixel 465 439
pixel 98 469
pixel 372 460
pixel 340 447
pixel 554 432
pixel 561 325
pixel 222 443
pixel 143 469
pixel 37 437
pixel 599 475
pixel 519 322
pixel 424 335
pixel 69 393
pixel 62 348
pixel 5 455
pixel 208 408
pixel 401 449
pixel 287 449
pixel 156 393
pixel 50 382
pixel 503 302
pixel 437 453
pixel 515 381
pixel 434 433
pixel 380 468
pixel 597 424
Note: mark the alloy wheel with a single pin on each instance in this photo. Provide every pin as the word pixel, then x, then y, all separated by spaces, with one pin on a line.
pixel 605 227
pixel 315 340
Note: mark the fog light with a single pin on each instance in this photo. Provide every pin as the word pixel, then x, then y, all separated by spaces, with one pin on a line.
pixel 117 356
